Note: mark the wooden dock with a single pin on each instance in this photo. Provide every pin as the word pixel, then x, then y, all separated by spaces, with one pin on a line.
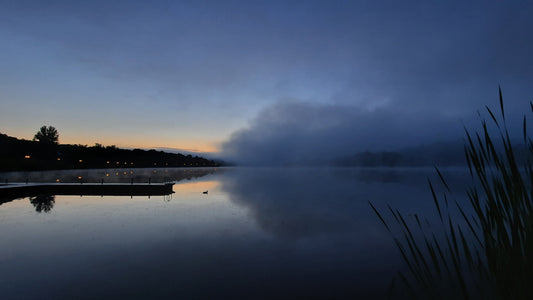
pixel 19 190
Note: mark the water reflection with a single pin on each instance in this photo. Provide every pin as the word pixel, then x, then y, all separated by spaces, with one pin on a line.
pixel 257 234
pixel 43 203
pixel 298 203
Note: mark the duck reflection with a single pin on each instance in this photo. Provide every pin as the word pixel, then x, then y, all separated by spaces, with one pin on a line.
pixel 43 203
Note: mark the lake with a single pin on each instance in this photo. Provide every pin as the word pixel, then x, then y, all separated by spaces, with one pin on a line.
pixel 258 233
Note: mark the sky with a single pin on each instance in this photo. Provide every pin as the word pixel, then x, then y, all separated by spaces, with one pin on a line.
pixel 261 80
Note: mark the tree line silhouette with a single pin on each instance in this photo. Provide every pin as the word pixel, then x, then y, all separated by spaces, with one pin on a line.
pixel 45 153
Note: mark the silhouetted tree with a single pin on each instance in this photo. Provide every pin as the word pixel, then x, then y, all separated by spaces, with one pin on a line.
pixel 47 135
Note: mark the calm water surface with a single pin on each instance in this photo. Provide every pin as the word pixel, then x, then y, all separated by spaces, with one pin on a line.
pixel 258 233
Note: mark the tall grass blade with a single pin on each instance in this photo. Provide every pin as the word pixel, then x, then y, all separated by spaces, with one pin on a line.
pixel 435 199
pixel 493 117
pixel 501 102
pixel 442 178
pixel 380 217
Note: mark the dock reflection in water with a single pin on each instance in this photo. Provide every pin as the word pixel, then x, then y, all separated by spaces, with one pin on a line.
pixel 42 196
pixel 40 186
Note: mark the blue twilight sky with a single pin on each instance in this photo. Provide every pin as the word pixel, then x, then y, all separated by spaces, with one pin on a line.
pixel 265 77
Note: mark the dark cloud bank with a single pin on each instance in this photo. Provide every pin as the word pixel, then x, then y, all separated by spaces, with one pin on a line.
pixel 300 133
pixel 297 132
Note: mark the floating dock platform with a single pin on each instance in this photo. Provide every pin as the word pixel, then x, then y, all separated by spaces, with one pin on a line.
pixel 20 190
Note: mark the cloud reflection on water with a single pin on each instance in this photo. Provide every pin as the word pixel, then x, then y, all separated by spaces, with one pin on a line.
pixel 299 203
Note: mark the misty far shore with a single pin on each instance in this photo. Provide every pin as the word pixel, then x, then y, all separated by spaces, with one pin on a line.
pixel 444 154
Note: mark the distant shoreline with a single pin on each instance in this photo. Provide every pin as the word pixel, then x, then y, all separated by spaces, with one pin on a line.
pixel 23 155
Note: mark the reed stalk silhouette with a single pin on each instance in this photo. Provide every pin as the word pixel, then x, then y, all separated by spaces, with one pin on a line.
pixel 483 248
